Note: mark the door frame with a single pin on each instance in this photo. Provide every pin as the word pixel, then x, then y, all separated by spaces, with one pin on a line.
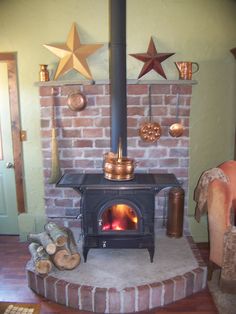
pixel 10 58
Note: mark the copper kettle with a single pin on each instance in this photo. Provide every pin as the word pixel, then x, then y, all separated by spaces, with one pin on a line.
pixel 118 168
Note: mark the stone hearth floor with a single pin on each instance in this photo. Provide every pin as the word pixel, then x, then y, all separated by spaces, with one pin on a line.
pixel 124 280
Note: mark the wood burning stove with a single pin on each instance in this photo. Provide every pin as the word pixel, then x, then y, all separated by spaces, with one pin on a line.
pixel 118 214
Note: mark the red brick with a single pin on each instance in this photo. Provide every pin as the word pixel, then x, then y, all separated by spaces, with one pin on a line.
pixel 105 112
pixel 64 202
pixel 100 300
pixel 67 163
pixel 137 89
pixel 198 279
pixel 93 153
pixel 71 89
pixel 46 102
pixel 61 287
pixel 134 100
pixel 65 143
pixel 84 163
pixel 132 132
pixel 66 113
pixel 50 290
pixel 40 284
pixel 64 123
pixel 182 89
pixel 73 295
pixel 103 100
pixel 168 291
pixel 170 100
pixel 93 132
pixel 69 153
pixel 114 301
pixel 83 143
pixel 189 278
pixel 157 153
pixel 32 280
pixel 48 91
pixel 86 295
pixel 159 111
pixel 79 122
pixel 71 133
pixel 157 290
pixel 143 297
pixel 179 288
pixel 94 89
pixel 102 143
pixel 102 122
pixel 169 162
pixel 128 300
pixel 161 89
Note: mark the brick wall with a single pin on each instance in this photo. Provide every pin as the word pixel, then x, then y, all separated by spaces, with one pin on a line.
pixel 84 136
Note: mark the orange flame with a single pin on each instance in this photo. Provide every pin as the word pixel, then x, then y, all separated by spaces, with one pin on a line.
pixel 119 217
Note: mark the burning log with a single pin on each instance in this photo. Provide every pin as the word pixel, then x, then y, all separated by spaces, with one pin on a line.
pixel 41 259
pixel 44 239
pixel 58 235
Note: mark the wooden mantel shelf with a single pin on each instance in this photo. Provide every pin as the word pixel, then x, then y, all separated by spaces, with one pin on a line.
pixel 129 82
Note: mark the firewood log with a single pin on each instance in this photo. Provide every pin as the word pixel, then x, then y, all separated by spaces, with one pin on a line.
pixel 63 259
pixel 58 235
pixel 67 257
pixel 43 239
pixel 41 259
pixel 71 241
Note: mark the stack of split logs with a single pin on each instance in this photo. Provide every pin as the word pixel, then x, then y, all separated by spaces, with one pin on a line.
pixel 55 246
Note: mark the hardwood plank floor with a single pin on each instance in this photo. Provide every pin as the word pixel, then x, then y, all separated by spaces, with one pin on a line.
pixel 13 284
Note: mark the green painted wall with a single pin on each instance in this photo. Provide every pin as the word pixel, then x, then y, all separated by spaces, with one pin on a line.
pixel 196 30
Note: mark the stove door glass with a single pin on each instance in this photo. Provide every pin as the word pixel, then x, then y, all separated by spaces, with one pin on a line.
pixel 119 217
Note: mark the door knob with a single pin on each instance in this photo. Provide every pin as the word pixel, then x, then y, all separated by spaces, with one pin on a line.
pixel 10 165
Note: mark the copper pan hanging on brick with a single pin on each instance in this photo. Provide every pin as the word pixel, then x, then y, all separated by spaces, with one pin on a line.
pixel 150 131
pixel 76 101
pixel 176 129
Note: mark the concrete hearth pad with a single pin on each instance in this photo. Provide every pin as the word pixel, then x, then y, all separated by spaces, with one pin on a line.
pixel 122 268
pixel 124 280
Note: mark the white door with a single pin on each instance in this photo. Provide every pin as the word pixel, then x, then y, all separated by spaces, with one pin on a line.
pixel 8 201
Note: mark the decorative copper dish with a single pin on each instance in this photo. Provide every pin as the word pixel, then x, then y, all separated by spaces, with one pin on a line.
pixel 76 101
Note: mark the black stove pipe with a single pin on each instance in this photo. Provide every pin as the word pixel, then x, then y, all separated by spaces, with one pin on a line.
pixel 118 75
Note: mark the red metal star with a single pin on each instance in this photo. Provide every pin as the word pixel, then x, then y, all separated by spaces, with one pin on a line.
pixel 152 60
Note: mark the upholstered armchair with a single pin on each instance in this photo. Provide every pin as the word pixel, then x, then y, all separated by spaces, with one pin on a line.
pixel 216 195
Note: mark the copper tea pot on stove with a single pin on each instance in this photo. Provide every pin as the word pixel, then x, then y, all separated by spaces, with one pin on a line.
pixel 118 168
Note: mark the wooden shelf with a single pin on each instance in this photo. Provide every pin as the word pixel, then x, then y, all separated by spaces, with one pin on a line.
pixel 129 82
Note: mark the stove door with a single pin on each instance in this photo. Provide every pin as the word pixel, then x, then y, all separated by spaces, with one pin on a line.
pixel 119 216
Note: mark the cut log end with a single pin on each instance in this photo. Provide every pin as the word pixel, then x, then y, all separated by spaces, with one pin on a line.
pixel 60 241
pixel 43 267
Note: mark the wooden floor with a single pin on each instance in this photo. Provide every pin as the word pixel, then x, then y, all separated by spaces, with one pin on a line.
pixel 13 284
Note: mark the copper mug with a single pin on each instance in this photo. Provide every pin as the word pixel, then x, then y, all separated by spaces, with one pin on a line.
pixel 186 69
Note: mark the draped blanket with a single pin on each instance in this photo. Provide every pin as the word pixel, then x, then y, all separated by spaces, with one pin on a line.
pixel 200 193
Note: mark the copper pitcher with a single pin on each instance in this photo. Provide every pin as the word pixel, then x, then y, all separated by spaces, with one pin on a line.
pixel 186 69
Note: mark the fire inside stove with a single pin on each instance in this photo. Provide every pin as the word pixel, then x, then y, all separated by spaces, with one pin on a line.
pixel 119 217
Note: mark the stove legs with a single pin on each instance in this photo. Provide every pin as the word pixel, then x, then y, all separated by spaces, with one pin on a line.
pixel 151 253
pixel 85 253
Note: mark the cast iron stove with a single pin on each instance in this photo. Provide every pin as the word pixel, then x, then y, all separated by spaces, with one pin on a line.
pixel 118 214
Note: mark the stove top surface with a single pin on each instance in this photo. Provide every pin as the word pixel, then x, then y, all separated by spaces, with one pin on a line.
pixel 97 180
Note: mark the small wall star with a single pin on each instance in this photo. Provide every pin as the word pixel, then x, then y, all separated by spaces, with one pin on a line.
pixel 152 60
pixel 73 54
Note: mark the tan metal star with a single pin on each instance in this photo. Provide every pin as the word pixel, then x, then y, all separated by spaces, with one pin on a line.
pixel 73 54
